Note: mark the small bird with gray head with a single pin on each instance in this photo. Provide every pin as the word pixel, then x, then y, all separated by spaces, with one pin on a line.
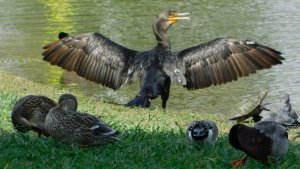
pixel 266 140
pixel 202 132
pixel 65 124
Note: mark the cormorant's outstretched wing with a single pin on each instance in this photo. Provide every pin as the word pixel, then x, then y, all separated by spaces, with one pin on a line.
pixel 223 60
pixel 95 58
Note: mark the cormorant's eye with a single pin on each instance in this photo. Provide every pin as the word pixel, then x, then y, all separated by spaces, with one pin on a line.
pixel 171 13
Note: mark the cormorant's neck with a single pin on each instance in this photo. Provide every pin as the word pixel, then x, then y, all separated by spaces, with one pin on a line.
pixel 161 35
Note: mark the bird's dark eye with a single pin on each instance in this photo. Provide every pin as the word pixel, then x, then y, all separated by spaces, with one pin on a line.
pixel 172 13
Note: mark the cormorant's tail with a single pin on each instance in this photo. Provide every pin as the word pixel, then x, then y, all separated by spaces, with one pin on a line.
pixel 139 101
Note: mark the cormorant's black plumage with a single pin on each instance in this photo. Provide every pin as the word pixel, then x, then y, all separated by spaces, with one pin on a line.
pixel 103 61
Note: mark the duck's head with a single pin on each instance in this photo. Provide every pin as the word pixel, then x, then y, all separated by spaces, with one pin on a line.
pixel 233 136
pixel 68 102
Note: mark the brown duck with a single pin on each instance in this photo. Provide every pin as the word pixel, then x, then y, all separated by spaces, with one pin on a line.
pixel 67 125
pixel 29 113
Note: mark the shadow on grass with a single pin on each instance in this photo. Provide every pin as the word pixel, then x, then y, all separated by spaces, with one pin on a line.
pixel 137 149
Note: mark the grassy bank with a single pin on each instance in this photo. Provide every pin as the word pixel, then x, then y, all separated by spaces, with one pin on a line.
pixel 150 138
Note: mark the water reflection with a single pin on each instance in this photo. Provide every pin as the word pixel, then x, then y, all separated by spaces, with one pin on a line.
pixel 60 13
pixel 25 26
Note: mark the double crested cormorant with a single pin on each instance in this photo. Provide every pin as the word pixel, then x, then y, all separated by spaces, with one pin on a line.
pixel 95 57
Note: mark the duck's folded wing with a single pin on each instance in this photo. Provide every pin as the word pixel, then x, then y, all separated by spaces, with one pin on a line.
pixel 223 60
pixel 93 57
pixel 92 124
pixel 254 143
pixel 102 128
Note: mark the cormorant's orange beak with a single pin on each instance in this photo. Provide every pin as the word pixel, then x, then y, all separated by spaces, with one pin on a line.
pixel 177 16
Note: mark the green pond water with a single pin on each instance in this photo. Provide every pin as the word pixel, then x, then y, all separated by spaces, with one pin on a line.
pixel 26 26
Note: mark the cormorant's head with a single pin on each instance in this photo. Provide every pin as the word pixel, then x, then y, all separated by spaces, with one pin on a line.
pixel 165 19
pixel 161 24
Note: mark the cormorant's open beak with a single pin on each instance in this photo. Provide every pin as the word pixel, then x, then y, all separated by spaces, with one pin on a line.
pixel 177 16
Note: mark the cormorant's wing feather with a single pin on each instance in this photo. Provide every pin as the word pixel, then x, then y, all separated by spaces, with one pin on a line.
pixel 93 57
pixel 174 67
pixel 223 60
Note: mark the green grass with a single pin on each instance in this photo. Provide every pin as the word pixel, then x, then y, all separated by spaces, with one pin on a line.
pixel 149 138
